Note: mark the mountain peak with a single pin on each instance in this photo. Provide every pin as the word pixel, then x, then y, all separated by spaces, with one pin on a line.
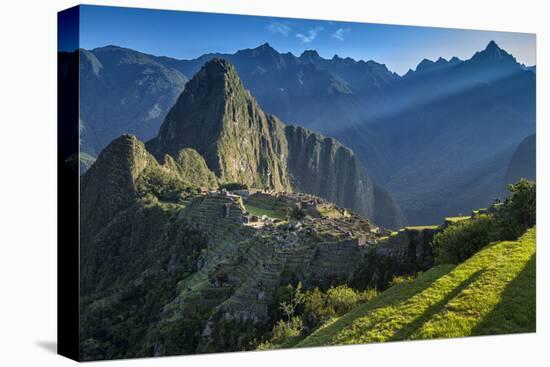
pixel 263 50
pixel 200 107
pixel 126 151
pixel 492 46
pixel 492 50
pixel 216 75
pixel 265 47
pixel 427 65
pixel 494 54
pixel 217 66
pixel 109 48
pixel 219 118
pixel 309 54
pixel 424 64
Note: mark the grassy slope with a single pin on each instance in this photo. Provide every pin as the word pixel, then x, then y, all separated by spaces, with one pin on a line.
pixel 263 206
pixel 254 210
pixel 491 293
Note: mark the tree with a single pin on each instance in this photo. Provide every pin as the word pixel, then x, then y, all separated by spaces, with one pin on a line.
pixel 297 213
pixel 297 298
pixel 520 208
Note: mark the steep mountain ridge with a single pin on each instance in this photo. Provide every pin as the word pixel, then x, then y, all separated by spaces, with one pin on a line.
pixel 219 118
pixel 325 167
pixel 144 87
pixel 111 184
pixel 125 171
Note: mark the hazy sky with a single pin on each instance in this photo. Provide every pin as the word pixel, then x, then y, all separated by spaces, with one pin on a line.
pixel 187 35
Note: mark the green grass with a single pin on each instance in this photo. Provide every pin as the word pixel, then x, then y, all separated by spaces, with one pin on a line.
pixel 457 219
pixel 259 206
pixel 420 228
pixel 254 210
pixel 493 292
pixel 330 212
pixel 392 234
pixel 476 212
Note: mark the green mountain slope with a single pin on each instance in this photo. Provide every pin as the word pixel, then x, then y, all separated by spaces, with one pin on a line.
pixel 491 293
pixel 523 162
pixel 168 270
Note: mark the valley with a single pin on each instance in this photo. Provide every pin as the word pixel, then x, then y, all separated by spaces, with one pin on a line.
pixel 231 230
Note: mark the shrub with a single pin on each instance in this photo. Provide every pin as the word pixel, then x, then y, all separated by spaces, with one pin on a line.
pixel 315 307
pixel 343 298
pixel 297 213
pixel 303 311
pixel 231 186
pixel 284 330
pixel 461 240
pixel 282 294
pixel 264 345
pixel 519 210
pixel 401 279
pixel 320 306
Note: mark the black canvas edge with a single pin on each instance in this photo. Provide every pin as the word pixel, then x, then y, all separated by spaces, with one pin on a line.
pixel 68 176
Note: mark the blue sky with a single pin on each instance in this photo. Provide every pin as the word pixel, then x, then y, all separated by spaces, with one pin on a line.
pixel 187 35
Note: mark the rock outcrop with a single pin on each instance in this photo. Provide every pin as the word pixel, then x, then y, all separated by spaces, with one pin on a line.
pixel 403 253
pixel 219 118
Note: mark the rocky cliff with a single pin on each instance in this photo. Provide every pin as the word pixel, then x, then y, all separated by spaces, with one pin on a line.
pixel 326 168
pixel 221 120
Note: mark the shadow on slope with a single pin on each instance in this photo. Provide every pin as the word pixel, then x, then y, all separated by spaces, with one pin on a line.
pixel 394 296
pixel 517 299
pixel 407 330
pixel 493 292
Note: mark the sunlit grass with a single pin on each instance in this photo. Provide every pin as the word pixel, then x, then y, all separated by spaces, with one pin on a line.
pixel 271 207
pixel 254 210
pixel 493 292
pixel 457 219
pixel 420 228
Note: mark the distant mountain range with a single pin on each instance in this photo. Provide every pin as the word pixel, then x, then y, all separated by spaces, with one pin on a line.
pixel 439 139
pixel 217 132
